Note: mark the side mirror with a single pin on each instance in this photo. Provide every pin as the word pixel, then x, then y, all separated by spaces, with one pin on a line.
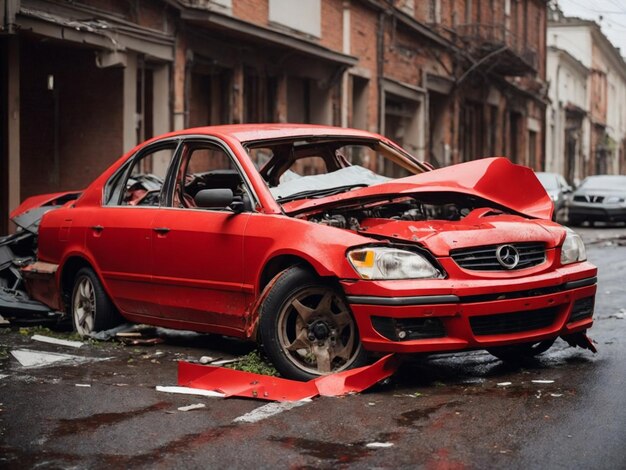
pixel 214 198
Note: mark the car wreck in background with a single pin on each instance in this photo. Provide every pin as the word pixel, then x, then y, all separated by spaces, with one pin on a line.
pixel 289 235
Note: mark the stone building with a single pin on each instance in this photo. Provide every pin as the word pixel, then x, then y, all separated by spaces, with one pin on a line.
pixel 589 128
pixel 83 81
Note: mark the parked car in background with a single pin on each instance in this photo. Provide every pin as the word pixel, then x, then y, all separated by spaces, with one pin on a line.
pixel 557 188
pixel 291 236
pixel 600 198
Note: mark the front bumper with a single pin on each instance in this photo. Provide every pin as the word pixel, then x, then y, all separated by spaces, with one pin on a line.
pixel 596 212
pixel 446 315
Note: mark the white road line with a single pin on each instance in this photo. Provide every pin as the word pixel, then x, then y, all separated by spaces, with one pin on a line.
pixel 271 409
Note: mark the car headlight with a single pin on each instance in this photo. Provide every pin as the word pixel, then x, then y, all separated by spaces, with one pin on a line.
pixel 614 200
pixel 391 263
pixel 573 248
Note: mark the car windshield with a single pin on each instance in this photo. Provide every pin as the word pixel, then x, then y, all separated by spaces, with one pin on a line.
pixel 548 180
pixel 605 182
pixel 316 167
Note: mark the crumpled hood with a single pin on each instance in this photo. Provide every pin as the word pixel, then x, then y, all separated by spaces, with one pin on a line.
pixel 495 179
pixel 479 228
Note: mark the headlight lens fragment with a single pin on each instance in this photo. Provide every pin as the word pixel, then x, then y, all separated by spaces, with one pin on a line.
pixel 377 263
pixel 573 248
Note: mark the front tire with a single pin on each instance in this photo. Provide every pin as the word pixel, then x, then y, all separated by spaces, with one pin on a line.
pixel 307 329
pixel 91 308
pixel 519 352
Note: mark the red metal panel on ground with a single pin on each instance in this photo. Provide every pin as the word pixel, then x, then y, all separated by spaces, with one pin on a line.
pixel 248 385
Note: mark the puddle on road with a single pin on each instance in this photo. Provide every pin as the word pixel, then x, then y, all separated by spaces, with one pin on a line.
pixel 410 418
pixel 90 423
pixel 339 453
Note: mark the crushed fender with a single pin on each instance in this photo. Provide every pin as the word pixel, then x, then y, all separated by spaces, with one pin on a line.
pixel 249 385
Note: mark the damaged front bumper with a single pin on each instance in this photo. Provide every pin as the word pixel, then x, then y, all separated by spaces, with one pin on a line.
pixel 410 316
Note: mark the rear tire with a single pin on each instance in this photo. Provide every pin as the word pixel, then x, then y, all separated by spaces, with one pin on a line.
pixel 307 329
pixel 519 352
pixel 91 308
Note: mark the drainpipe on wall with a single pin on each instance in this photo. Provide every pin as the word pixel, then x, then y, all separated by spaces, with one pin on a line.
pixel 380 67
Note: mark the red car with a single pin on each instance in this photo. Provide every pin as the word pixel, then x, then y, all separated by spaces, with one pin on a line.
pixel 289 235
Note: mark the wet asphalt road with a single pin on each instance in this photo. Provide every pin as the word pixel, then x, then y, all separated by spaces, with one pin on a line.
pixel 440 412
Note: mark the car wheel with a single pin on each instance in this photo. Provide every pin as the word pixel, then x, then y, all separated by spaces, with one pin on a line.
pixel 307 329
pixel 519 352
pixel 92 310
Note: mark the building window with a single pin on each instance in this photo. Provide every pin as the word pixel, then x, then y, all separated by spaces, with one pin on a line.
pixel 407 6
pixel 304 16
pixel 435 11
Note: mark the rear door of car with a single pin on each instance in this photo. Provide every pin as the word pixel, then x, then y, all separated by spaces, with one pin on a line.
pixel 198 252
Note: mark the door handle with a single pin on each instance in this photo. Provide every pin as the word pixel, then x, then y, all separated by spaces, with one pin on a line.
pixel 161 230
pixel 97 228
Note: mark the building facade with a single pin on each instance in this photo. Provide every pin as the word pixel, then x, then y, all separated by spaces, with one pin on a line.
pixel 588 100
pixel 85 81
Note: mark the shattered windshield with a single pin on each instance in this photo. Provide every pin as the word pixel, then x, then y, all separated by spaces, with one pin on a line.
pixel 318 167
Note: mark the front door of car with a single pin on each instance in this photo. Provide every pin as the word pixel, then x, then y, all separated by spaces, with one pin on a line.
pixel 119 236
pixel 198 252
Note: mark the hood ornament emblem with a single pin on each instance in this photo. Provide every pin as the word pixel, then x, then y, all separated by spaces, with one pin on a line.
pixel 507 256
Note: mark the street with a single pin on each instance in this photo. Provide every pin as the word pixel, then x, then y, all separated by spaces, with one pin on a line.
pixel 565 409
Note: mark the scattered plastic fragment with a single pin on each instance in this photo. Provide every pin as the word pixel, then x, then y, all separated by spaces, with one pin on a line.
pixel 4 321
pixel 188 391
pixel 224 361
pixel 556 395
pixel 271 409
pixel 61 342
pixel 2 376
pixel 543 381
pixel 246 384
pixel 206 359
pixel 504 384
pixel 82 385
pixel 379 445
pixel 197 406
pixel 30 358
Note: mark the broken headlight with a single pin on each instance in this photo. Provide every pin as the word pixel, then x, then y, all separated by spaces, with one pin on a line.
pixel 378 263
pixel 573 248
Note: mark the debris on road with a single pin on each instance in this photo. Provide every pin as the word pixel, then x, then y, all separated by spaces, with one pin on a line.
pixel 249 385
pixel 196 406
pixel 61 342
pixel 621 315
pixel 542 381
pixel 82 385
pixel 269 410
pixel 29 358
pixel 189 391
pixel 379 445
pixel 505 384
pixel 206 359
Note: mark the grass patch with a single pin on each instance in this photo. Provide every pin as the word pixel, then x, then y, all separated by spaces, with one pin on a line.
pixel 254 362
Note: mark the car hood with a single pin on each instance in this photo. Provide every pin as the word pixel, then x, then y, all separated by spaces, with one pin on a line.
pixel 479 228
pixel 29 213
pixel 494 179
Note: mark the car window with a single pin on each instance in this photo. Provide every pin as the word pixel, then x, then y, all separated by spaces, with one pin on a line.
pixel 140 182
pixel 206 166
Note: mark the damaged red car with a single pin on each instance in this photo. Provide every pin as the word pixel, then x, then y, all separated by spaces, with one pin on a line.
pixel 323 244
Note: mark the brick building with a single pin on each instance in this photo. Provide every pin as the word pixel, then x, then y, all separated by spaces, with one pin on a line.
pixel 84 81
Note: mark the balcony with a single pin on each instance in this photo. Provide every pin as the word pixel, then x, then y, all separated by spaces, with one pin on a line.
pixel 514 56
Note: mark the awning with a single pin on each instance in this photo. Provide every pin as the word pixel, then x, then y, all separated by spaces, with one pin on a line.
pixel 238 28
pixel 104 33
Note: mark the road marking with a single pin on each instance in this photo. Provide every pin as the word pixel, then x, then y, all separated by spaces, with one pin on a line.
pixel 271 409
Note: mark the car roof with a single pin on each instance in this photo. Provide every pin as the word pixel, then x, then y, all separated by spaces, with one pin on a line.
pixel 252 132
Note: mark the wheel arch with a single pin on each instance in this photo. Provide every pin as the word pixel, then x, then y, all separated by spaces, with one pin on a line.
pixel 68 272
pixel 279 263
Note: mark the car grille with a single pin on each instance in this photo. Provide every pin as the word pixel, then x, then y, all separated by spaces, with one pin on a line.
pixel 505 323
pixel 484 258
pixel 589 198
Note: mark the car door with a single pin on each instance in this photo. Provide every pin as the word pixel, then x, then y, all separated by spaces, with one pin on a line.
pixel 198 252
pixel 119 237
